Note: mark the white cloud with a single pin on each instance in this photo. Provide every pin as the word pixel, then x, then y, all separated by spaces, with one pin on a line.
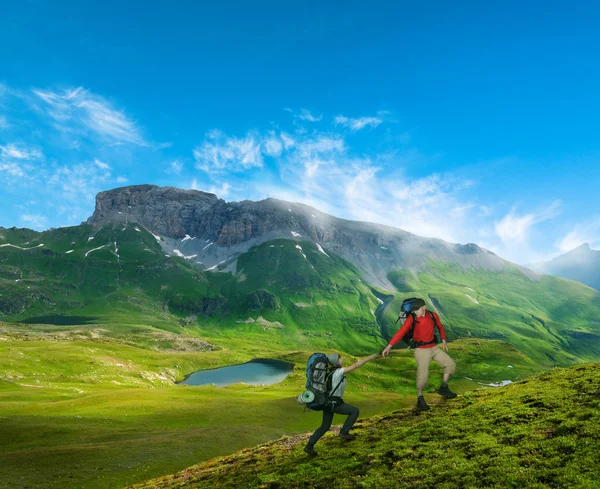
pixel 19 152
pixel 586 232
pixel 320 145
pixel 357 124
pixel 288 141
pixel 221 192
pixel 79 109
pixel 305 115
pixel 273 146
pixel 175 167
pixel 79 182
pixel 220 153
pixel 12 169
pixel 514 230
pixel 316 169
pixel 194 185
pixel 35 221
pixel 122 179
pixel 101 165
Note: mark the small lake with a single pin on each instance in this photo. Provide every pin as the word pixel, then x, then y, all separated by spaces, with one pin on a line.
pixel 60 320
pixel 260 371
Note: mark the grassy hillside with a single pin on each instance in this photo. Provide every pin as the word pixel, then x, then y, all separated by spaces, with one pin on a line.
pixel 96 406
pixel 538 433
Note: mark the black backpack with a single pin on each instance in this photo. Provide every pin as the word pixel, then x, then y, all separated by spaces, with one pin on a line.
pixel 405 311
pixel 318 381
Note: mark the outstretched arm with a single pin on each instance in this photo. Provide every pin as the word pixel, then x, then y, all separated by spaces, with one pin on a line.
pixel 360 363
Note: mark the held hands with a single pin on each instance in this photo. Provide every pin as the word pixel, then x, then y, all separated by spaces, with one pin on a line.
pixel 386 352
pixel 445 345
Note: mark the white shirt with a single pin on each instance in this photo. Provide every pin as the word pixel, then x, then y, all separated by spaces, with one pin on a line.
pixel 335 380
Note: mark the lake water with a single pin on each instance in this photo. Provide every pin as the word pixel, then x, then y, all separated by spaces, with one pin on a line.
pixel 59 320
pixel 255 372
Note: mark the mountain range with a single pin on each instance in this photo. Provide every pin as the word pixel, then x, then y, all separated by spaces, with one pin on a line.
pixel 581 264
pixel 316 280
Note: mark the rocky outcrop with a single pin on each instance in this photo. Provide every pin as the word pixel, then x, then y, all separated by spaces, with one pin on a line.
pixel 166 211
pixel 261 299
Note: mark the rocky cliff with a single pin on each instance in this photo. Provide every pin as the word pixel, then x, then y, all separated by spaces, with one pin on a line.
pixel 211 232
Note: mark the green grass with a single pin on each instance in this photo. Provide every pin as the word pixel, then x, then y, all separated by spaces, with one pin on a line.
pixel 539 433
pixel 95 406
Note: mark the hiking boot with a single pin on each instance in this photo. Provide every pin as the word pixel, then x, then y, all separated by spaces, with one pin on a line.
pixel 347 436
pixel 421 404
pixel 446 392
pixel 310 450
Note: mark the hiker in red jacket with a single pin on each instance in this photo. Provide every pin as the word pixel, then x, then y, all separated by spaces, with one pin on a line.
pixel 426 349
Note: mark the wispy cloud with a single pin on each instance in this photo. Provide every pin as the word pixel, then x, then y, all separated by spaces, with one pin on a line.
pixel 222 191
pixel 514 229
pixel 34 221
pixel 174 167
pixel 19 152
pixel 12 169
pixel 81 110
pixel 318 169
pixel 4 122
pixel 585 232
pixel 101 165
pixel 357 124
pixel 305 115
pixel 80 182
pixel 220 153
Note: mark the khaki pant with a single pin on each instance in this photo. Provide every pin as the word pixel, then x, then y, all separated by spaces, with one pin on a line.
pixel 423 357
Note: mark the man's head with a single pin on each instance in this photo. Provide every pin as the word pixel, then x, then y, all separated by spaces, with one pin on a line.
pixel 418 307
pixel 335 359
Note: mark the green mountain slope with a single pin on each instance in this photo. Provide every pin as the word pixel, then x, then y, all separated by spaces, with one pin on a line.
pixel 293 294
pixel 538 433
pixel 316 298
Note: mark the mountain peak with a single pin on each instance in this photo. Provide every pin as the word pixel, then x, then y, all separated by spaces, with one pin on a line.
pixel 582 247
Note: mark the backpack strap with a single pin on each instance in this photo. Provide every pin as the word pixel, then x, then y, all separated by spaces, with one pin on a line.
pixel 332 405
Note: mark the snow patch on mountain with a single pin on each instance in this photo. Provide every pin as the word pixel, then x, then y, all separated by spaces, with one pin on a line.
pixel 19 247
pixel 95 249
pixel 320 248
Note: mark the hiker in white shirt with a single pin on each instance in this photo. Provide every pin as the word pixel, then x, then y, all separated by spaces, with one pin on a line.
pixel 338 386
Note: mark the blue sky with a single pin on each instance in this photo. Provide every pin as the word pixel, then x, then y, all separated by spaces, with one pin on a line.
pixel 466 121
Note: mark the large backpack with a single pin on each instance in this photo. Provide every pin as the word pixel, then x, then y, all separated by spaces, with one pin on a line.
pixel 405 311
pixel 318 381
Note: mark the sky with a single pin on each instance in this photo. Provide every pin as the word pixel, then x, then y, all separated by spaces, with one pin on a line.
pixel 466 121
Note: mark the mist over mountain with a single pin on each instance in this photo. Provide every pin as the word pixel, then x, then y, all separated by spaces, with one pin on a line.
pixel 581 264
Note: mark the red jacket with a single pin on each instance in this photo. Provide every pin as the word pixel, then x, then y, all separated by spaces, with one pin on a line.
pixel 424 330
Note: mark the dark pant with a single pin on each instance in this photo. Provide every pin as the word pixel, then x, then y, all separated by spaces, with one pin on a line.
pixel 347 409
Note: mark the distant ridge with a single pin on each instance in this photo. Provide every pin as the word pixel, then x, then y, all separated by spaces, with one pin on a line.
pixel 581 264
